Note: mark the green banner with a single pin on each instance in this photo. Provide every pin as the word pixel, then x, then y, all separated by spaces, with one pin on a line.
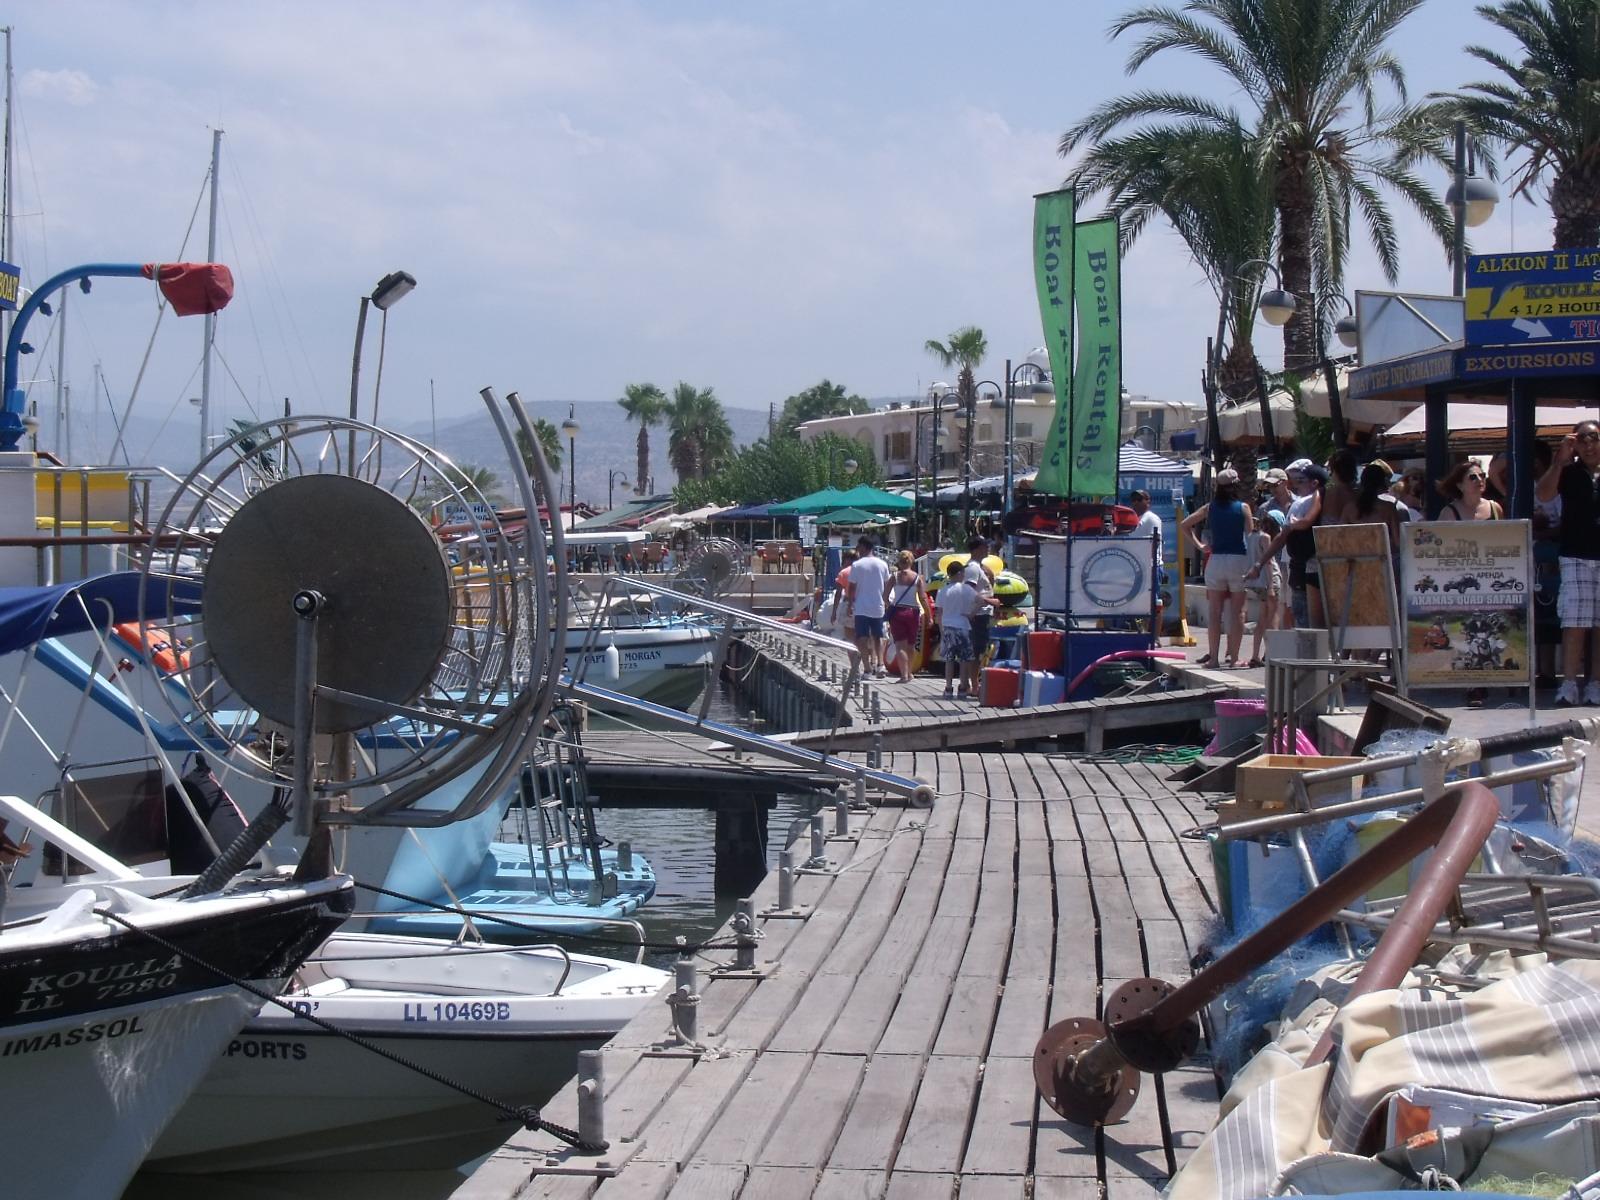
pixel 1052 270
pixel 1097 383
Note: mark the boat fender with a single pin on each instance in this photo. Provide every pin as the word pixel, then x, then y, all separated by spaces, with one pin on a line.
pixel 613 661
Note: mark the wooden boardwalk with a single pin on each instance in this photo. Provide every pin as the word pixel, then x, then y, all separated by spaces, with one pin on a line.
pixel 890 1053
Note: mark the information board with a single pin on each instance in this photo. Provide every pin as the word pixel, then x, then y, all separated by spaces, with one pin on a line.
pixel 1535 300
pixel 1468 593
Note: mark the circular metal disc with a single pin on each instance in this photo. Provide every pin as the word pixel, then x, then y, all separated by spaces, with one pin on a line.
pixel 1146 1049
pixel 386 620
pixel 1097 1101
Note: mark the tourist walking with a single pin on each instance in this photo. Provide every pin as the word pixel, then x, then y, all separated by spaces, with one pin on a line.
pixel 864 600
pixel 1574 475
pixel 1305 513
pixel 1229 520
pixel 908 603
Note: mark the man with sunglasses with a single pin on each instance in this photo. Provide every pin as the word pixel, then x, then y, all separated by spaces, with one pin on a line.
pixel 1574 475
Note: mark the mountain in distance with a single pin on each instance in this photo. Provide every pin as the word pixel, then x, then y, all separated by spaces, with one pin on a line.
pixel 607 441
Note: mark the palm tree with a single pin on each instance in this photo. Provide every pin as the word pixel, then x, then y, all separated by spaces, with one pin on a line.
pixel 1303 66
pixel 964 349
pixel 644 403
pixel 549 441
pixel 699 438
pixel 1550 107
pixel 1207 182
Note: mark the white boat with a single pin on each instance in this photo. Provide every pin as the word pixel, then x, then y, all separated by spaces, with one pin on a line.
pixel 507 1021
pixel 665 661
pixel 108 1020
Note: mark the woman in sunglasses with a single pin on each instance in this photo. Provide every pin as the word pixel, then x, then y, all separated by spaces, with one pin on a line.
pixel 1464 487
pixel 1574 475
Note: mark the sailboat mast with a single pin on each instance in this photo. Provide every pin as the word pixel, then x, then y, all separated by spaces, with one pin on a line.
pixel 56 443
pixel 211 318
pixel 8 226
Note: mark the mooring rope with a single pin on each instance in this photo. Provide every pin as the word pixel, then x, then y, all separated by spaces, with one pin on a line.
pixel 526 1114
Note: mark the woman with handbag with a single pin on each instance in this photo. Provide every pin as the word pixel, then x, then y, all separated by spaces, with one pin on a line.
pixel 908 602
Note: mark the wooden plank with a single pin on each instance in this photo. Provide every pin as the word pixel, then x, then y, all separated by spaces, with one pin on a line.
pixel 639 1181
pixel 708 1181
pixel 849 1185
pixel 1024 1006
pixel 936 1135
pixel 816 1112
pixel 1051 1187
pixel 969 1017
pixel 695 1104
pixel 997 1187
pixel 781 1183
pixel 1191 1099
pixel 1002 1126
pixel 1063 1149
pixel 542 1187
pixel 809 1021
pixel 916 1185
pixel 739 1133
pixel 880 1110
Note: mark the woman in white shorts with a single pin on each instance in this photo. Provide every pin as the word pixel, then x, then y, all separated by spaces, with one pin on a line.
pixel 1231 522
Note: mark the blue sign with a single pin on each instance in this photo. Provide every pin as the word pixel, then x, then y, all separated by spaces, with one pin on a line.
pixel 1533 301
pixel 10 286
pixel 1413 371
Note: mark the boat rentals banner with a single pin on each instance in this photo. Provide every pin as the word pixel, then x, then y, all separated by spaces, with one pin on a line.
pixel 1097 383
pixel 1052 271
pixel 1468 599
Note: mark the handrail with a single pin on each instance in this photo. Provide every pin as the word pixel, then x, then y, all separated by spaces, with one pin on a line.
pixel 1089 1072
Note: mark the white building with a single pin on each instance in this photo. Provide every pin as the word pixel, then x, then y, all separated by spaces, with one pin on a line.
pixel 893 431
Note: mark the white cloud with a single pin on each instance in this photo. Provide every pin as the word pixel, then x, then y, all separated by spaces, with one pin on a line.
pixel 66 87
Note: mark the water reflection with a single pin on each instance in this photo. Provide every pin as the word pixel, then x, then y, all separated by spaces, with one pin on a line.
pixel 680 844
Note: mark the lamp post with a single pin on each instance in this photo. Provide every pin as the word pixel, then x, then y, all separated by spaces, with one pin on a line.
pixel 849 463
pixel 1009 494
pixel 934 412
pixel 391 289
pixel 611 482
pixel 1276 307
pixel 1471 200
pixel 570 427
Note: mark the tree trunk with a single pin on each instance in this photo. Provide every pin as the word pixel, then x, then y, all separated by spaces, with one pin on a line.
pixel 1575 201
pixel 1236 374
pixel 1296 213
pixel 642 472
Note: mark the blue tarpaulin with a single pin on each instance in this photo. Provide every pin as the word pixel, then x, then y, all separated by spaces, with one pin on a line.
pixel 28 615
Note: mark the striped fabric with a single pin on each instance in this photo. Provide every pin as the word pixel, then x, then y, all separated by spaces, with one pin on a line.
pixel 1532 1035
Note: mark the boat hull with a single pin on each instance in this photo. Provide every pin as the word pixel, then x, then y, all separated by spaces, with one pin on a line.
pixel 298 1099
pixel 106 1037
pixel 663 664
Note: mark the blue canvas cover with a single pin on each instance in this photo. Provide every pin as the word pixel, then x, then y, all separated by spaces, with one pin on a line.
pixel 28 615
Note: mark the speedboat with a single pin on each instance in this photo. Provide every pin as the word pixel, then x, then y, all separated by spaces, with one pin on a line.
pixel 507 1021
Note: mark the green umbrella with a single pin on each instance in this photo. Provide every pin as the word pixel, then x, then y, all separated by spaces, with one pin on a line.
pixel 876 500
pixel 827 499
pixel 851 516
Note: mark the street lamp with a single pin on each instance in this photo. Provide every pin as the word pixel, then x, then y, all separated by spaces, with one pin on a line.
pixel 966 416
pixel 1039 388
pixel 611 482
pixel 390 290
pixel 570 427
pixel 936 395
pixel 1277 306
pixel 849 463
pixel 1471 199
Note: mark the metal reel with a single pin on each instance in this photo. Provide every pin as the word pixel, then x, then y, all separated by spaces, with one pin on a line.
pixel 361 589
pixel 1080 1076
pixel 711 568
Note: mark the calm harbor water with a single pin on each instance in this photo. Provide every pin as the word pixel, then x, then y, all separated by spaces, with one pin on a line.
pixel 679 845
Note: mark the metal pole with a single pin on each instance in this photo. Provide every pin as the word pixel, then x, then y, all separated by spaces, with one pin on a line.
pixel 970 407
pixel 1458 248
pixel 61 371
pixel 1009 487
pixel 938 517
pixel 355 384
pixel 211 318
pixel 306 604
pixel 1330 376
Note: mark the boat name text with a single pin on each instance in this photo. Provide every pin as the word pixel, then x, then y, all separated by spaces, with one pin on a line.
pixel 99 1031
pixel 112 982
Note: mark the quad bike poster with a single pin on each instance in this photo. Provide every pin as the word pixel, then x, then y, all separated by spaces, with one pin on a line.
pixel 1468 593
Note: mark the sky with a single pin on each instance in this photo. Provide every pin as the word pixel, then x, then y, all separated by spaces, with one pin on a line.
pixel 747 196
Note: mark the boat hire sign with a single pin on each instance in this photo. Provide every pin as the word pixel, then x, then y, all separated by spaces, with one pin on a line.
pixel 1097 386
pixel 1468 600
pixel 10 286
pixel 1052 273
